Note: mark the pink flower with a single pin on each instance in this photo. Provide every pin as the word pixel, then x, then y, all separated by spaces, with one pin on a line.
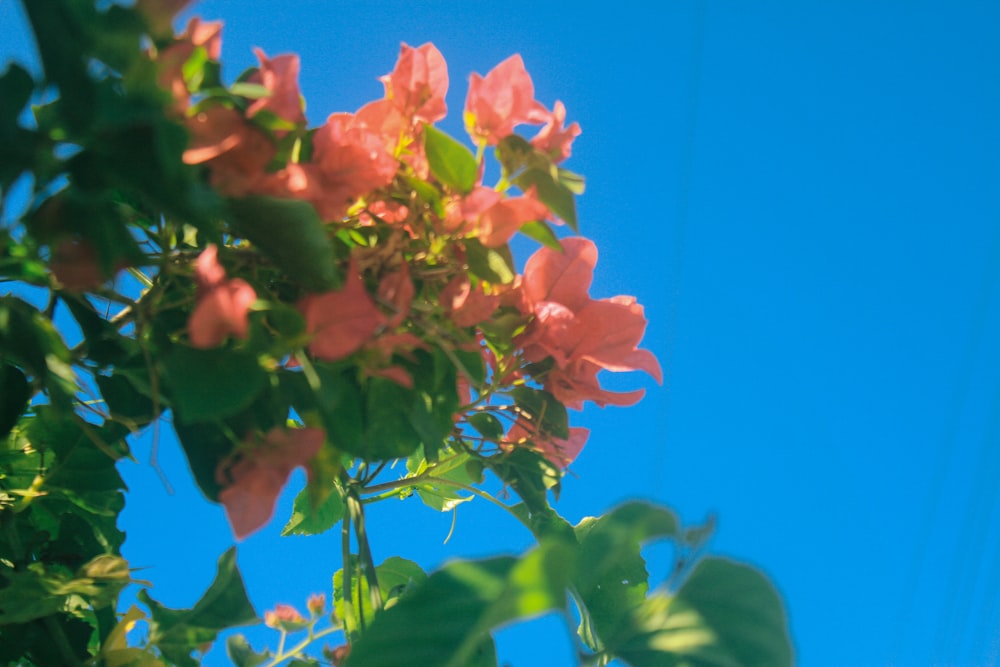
pixel 341 321
pixel 350 160
pixel 280 75
pixel 465 304
pixel 554 139
pixel 418 84
pixel 494 218
pixel 235 151
pixel 559 452
pixel 582 335
pixel 252 484
pixel 316 604
pixel 222 306
pixel 396 291
pixel 284 617
pixel 505 97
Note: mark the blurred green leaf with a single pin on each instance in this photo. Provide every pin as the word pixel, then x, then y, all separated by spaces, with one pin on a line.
pixel 552 193
pixel 530 474
pixel 611 575
pixel 494 265
pixel 124 400
pixel 542 233
pixel 396 579
pixel 179 632
pixel 290 233
pixel 543 409
pixel 212 384
pixel 446 621
pixel 239 651
pixel 16 393
pixel 487 425
pixel 725 613
pixel 251 91
pixel 450 161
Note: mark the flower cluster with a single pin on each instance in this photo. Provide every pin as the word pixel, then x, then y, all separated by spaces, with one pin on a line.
pixel 420 242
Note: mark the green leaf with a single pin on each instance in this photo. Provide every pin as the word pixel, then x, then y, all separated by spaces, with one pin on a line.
pixel 442 496
pixel 450 161
pixel 239 651
pixel 396 579
pixel 542 233
pixel 179 632
pixel 487 425
pixel 29 340
pixel 205 444
pixel 16 393
pixel 494 265
pixel 124 399
pixel 309 520
pixel 552 193
pixel 212 384
pixel 290 233
pixel 251 91
pixel 337 400
pixel 530 474
pixel 446 620
pixel 544 410
pixel 16 85
pixel 726 613
pixel 573 182
pixel 611 575
pixel 38 591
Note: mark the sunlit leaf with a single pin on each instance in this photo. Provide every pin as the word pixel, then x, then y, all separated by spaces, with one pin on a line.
pixel 725 613
pixel 450 161
pixel 494 265
pixel 447 620
pixel 396 579
pixel 179 632
pixel 309 520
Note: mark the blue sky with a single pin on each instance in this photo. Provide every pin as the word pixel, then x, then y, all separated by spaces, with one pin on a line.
pixel 806 197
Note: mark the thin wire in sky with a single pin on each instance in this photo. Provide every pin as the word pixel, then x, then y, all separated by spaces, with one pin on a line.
pixel 680 227
pixel 943 461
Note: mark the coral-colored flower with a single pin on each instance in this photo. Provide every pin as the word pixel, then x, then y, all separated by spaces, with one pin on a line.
pixel 341 321
pixel 252 484
pixel 554 139
pixel 236 152
pixel 493 217
pixel 223 305
pixel 418 84
pixel 316 604
pixel 349 161
pixel 505 97
pixel 582 335
pixel 559 452
pixel 465 304
pixel 280 75
pixel 284 617
pixel 396 291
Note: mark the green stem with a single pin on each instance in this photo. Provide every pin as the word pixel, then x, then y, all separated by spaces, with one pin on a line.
pixel 301 646
pixel 390 489
pixel 345 554
pixel 364 550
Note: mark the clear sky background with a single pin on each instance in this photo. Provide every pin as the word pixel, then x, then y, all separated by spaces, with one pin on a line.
pixel 806 198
